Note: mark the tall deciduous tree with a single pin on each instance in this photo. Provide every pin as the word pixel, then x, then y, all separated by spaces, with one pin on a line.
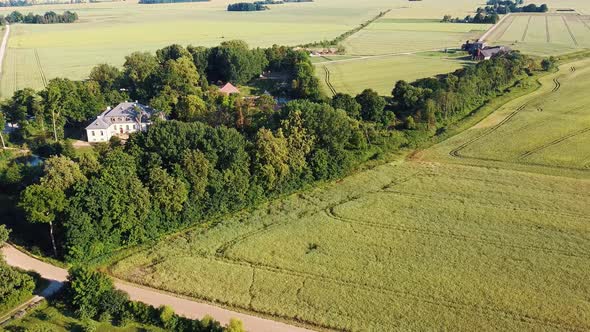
pixel 41 205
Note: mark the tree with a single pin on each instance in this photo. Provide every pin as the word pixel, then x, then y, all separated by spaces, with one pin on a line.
pixel 107 76
pixel 191 108
pixel 272 157
pixel 233 61
pixel 86 288
pixel 42 204
pixel 138 72
pixel 196 169
pixel 347 103
pixel 235 325
pixel 172 52
pixel 61 173
pixel 168 193
pixel 372 105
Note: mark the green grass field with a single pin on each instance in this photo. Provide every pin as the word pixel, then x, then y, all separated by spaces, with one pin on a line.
pixel 544 34
pixel 463 236
pixel 381 73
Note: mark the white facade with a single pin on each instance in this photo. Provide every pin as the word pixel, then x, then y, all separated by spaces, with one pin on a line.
pixel 122 120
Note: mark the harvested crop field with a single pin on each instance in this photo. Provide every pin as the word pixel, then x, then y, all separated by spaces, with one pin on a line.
pixel 463 236
pixel 544 34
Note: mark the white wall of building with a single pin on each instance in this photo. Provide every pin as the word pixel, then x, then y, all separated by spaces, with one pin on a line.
pixel 104 135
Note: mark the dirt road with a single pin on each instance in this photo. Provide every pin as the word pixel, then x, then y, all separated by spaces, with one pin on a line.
pixel 184 307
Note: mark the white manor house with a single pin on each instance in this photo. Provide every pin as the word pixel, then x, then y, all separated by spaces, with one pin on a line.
pixel 120 121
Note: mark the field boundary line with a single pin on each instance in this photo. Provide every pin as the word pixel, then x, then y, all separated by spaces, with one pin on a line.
pixel 569 30
pixel 526 29
pixel 552 143
pixel 491 30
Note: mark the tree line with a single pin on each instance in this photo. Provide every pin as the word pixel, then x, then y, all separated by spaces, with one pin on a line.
pixel 47 18
pixel 219 153
pixel 514 6
pixel 491 13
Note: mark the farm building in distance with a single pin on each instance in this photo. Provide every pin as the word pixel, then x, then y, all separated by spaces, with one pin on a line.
pixel 120 121
pixel 480 51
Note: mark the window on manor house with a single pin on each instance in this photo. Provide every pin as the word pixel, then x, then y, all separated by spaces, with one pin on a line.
pixel 93 133
pixel 101 133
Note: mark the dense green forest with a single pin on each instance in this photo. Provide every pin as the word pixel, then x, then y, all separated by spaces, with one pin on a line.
pixel 217 153
pixel 47 18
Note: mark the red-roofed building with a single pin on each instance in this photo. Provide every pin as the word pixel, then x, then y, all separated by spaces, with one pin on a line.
pixel 229 89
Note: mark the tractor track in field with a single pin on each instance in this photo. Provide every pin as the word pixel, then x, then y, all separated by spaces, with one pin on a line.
pixel 456 152
pixel 449 235
pixel 430 299
pixel 500 36
pixel 573 69
pixel 526 29
pixel 585 24
pixel 570 31
pixel 552 143
pixel 41 72
pixel 328 82
pixel 556 85
pixel 547 33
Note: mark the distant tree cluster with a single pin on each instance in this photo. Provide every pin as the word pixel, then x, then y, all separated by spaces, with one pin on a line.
pixel 512 6
pixel 491 13
pixel 247 6
pixel 47 18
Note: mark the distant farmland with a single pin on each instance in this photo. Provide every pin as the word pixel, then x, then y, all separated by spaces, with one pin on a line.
pixel 381 73
pixel 544 34
pixel 488 230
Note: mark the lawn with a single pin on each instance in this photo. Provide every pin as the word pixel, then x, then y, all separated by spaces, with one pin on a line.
pixel 544 34
pixel 463 236
pixel 381 73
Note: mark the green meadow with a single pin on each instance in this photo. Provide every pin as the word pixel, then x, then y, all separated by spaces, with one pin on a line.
pixel 488 230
